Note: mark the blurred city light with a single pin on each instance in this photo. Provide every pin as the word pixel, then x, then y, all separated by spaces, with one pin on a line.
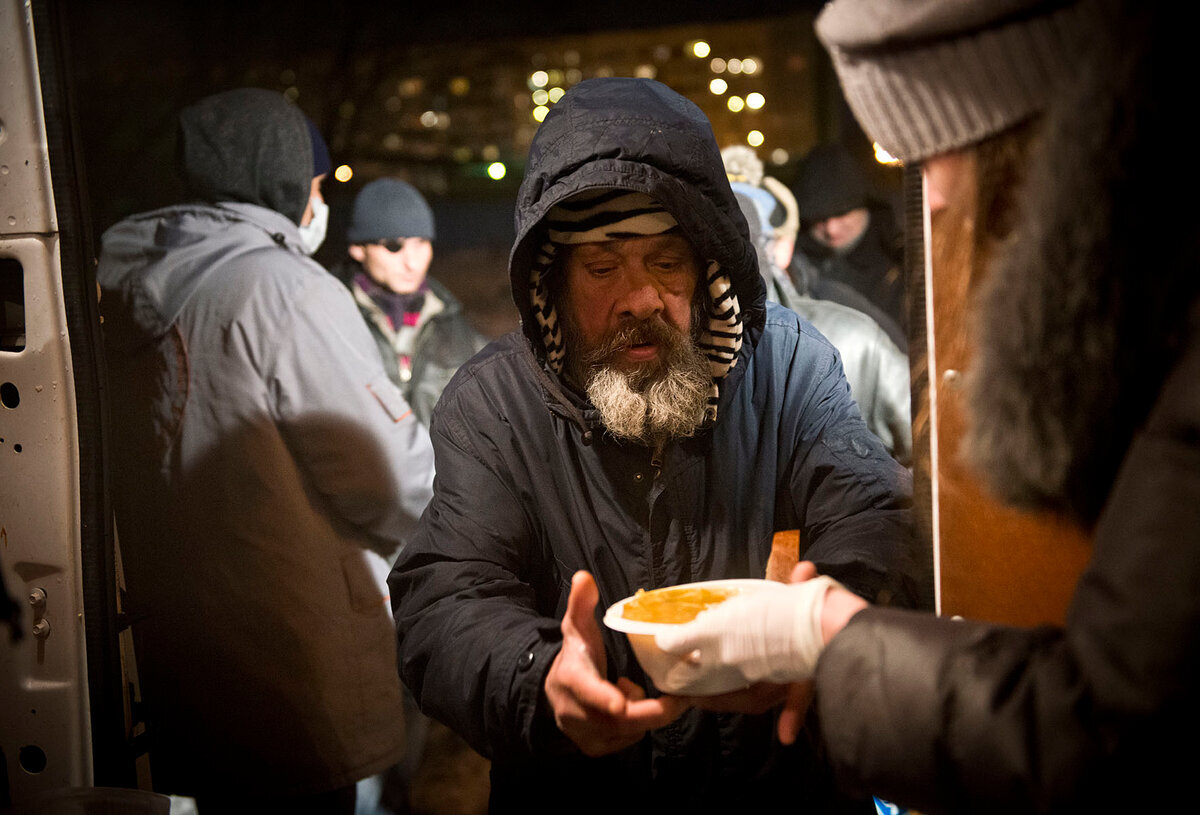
pixel 540 96
pixel 736 103
pixel 717 65
pixel 749 66
pixel 884 157
pixel 538 79
pixel 555 94
pixel 496 170
pixel 539 113
pixel 755 100
pixel 754 138
pixel 718 86
pixel 343 173
pixel 701 49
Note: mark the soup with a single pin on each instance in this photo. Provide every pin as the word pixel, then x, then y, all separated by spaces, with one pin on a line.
pixel 679 604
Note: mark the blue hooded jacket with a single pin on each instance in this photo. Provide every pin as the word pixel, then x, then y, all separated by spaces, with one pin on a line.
pixel 530 488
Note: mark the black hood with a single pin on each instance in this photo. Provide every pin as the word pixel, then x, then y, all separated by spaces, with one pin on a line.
pixel 639 135
pixel 248 145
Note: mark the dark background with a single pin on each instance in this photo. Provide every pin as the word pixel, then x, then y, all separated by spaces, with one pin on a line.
pixel 134 64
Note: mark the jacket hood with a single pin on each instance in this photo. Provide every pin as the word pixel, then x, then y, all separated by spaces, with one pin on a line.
pixel 637 135
pixel 157 260
pixel 249 145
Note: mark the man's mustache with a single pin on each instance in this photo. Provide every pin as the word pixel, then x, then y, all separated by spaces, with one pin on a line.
pixel 652 331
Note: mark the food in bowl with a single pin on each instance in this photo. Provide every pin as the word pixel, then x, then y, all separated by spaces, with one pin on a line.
pixel 646 613
pixel 675 604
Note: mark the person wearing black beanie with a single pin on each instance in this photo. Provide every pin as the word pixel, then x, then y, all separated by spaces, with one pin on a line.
pixel 418 325
pixel 264 468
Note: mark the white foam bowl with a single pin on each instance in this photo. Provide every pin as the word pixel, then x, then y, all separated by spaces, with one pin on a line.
pixel 657 663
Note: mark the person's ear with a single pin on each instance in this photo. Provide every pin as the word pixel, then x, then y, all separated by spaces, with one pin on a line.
pixel 357 252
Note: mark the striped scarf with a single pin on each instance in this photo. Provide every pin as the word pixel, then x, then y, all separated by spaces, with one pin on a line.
pixel 610 214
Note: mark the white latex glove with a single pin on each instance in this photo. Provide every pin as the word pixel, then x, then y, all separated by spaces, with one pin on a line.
pixel 771 635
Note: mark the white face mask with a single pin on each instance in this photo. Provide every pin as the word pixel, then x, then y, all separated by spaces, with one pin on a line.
pixel 313 235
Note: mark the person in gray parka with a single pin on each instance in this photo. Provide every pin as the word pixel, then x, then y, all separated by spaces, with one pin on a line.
pixel 264 467
pixel 653 422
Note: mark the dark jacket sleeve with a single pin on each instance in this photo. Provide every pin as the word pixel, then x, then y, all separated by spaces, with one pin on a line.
pixel 853 499
pixel 947 715
pixel 459 588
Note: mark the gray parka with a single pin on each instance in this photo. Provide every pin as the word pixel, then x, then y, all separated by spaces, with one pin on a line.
pixel 261 454
pixel 530 489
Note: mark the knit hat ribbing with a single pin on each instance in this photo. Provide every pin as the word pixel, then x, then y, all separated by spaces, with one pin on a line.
pixel 389 208
pixel 924 77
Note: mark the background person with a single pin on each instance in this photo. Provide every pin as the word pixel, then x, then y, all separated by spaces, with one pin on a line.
pixel 420 329
pixel 875 368
pixel 848 247
pixel 1084 402
pixel 261 455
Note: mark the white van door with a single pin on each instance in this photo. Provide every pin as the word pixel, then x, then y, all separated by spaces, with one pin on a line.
pixel 62 709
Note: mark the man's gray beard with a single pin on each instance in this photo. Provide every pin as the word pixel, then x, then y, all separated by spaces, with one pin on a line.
pixel 652 403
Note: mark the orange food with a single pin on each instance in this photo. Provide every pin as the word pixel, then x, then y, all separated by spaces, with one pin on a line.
pixel 679 604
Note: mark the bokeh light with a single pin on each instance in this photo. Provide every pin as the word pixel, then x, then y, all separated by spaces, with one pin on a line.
pixel 884 157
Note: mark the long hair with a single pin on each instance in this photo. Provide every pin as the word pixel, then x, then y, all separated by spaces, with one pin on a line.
pixel 1085 307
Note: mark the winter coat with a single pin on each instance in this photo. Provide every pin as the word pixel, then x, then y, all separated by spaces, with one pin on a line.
pixel 871 266
pixel 444 341
pixel 531 488
pixel 876 369
pixel 1099 716
pixel 262 459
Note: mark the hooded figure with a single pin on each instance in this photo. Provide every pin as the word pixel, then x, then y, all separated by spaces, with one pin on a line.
pixel 876 369
pixel 539 480
pixel 264 463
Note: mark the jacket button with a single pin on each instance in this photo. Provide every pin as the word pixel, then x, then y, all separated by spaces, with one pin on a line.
pixel 525 661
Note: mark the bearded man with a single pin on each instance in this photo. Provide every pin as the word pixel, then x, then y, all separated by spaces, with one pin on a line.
pixel 654 422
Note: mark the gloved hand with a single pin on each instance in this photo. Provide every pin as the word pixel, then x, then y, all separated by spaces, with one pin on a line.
pixel 771 635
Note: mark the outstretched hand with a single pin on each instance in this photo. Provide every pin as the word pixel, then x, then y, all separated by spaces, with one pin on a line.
pixel 598 716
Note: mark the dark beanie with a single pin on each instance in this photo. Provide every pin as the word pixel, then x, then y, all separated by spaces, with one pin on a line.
pixel 830 183
pixel 322 164
pixel 389 208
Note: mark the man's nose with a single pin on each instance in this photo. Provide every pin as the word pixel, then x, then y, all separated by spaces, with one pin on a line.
pixel 642 297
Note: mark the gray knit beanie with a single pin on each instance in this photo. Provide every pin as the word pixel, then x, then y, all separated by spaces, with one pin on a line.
pixel 924 77
pixel 389 208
